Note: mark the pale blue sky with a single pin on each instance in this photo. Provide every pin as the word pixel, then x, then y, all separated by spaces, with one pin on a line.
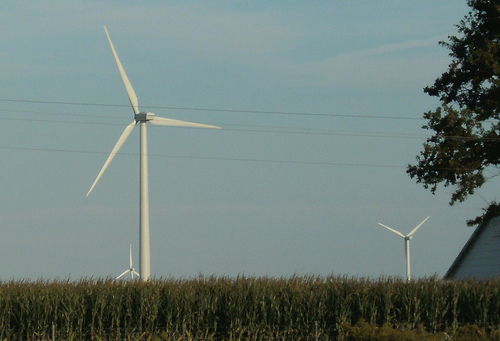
pixel 321 105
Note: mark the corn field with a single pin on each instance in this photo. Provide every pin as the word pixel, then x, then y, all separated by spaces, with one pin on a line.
pixel 214 308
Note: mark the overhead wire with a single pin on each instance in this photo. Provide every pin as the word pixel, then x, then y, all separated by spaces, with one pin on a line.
pixel 236 127
pixel 215 109
pixel 297 162
pixel 324 163
pixel 252 128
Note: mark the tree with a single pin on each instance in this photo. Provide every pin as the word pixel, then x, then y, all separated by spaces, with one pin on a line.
pixel 467 124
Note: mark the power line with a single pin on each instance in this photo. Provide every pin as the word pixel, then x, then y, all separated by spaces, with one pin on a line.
pixel 253 128
pixel 55 121
pixel 227 127
pixel 232 159
pixel 269 129
pixel 215 109
pixel 37 112
pixel 318 163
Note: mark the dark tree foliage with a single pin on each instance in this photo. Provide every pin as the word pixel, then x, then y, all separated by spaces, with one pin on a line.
pixel 466 126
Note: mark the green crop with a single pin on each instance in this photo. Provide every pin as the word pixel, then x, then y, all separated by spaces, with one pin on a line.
pixel 249 308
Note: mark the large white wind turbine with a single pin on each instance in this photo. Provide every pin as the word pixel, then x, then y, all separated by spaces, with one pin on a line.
pixel 142 118
pixel 407 239
pixel 130 269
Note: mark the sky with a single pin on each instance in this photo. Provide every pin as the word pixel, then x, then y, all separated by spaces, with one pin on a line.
pixel 321 106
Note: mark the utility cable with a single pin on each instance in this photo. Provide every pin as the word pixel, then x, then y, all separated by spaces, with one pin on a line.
pixel 214 109
pixel 321 163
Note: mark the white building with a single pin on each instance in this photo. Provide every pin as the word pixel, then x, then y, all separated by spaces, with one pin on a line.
pixel 480 257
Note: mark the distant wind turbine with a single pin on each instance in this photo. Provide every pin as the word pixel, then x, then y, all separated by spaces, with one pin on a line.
pixel 142 118
pixel 407 239
pixel 131 269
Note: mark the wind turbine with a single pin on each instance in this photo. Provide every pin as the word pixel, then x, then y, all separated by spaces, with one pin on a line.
pixel 130 269
pixel 407 239
pixel 143 118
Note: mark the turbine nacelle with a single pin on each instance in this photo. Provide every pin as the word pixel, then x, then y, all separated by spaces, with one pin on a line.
pixel 144 116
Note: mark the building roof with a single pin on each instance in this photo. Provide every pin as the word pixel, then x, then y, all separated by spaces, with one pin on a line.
pixel 480 257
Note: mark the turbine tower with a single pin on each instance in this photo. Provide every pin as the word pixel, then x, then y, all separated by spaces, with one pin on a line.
pixel 143 118
pixel 407 239
pixel 131 269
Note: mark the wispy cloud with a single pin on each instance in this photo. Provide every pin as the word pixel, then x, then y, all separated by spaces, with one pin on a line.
pixel 395 63
pixel 395 47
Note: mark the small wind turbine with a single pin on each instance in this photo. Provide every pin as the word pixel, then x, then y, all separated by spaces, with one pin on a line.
pixel 407 239
pixel 142 118
pixel 130 269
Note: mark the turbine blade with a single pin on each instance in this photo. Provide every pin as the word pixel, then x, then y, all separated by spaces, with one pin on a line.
pixel 126 133
pixel 123 274
pixel 395 231
pixel 131 256
pixel 161 121
pixel 418 226
pixel 136 273
pixel 134 102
